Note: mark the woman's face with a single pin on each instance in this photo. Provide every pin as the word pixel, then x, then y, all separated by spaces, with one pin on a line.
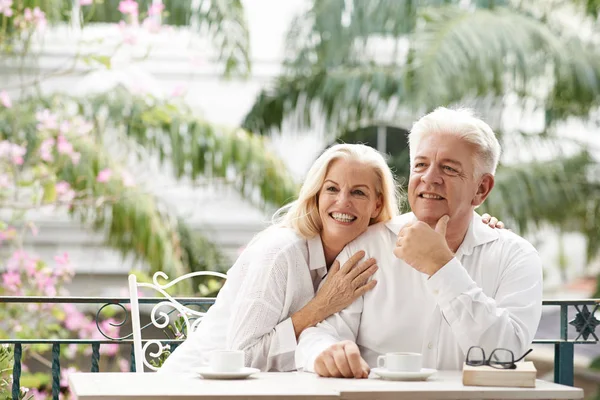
pixel 347 201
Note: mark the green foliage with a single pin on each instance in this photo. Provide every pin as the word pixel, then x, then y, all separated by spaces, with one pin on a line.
pixel 354 65
pixel 196 149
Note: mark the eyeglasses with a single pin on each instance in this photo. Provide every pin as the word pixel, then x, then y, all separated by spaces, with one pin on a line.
pixel 500 358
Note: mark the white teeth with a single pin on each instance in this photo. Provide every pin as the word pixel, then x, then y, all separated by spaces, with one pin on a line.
pixel 431 196
pixel 343 217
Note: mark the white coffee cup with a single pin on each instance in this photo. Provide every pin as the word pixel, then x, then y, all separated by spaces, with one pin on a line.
pixel 226 360
pixel 400 361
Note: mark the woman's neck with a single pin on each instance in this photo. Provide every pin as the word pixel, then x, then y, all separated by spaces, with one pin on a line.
pixel 331 253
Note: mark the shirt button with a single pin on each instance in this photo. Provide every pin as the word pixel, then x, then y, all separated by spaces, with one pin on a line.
pixel 430 346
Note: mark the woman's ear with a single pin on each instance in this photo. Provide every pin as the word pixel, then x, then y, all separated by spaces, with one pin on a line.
pixel 378 207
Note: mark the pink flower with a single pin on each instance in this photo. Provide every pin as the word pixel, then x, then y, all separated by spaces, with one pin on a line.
pixel 62 259
pixel 12 151
pixel 104 175
pixel 129 37
pixel 64 376
pixel 5 7
pixel 4 98
pixel 64 192
pixel 75 319
pixel 123 365
pixel 156 9
pixel 81 126
pixel 14 262
pixel 46 149
pixel 37 395
pixel 64 127
pixel 46 120
pixel 86 2
pixel 39 18
pixel 128 7
pixel 12 280
pixel 128 180
pixel 45 282
pixel 151 25
pixel 30 267
pixel 63 146
pixel 75 157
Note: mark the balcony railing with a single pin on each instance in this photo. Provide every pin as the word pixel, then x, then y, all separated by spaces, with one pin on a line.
pixel 583 325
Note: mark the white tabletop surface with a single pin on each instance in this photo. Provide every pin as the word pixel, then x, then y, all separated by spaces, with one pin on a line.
pixel 297 385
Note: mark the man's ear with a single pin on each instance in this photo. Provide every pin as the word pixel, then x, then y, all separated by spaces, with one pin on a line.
pixel 486 184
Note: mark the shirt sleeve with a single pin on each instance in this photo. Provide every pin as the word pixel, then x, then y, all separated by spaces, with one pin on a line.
pixel 340 326
pixel 509 319
pixel 268 343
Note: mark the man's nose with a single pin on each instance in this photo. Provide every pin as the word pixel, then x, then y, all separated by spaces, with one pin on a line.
pixel 432 175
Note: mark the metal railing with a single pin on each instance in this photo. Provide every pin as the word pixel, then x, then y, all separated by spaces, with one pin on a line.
pixel 583 324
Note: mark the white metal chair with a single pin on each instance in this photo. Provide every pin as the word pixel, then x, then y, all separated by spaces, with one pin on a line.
pixel 162 320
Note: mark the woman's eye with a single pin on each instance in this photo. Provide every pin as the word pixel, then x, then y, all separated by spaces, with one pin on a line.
pixel 331 189
pixel 359 192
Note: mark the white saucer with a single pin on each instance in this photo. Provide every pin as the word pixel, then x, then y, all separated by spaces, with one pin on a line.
pixel 421 375
pixel 208 373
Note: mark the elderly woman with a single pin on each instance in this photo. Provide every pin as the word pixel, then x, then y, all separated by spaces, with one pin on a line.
pixel 269 297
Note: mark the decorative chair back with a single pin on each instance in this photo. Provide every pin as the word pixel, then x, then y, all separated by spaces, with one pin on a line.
pixel 160 318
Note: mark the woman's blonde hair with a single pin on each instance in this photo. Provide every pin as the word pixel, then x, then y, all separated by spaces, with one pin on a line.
pixel 302 215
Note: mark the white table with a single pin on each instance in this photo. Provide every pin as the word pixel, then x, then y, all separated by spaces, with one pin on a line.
pixel 297 385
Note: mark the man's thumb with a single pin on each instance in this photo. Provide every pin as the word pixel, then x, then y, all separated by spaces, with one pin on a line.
pixel 441 225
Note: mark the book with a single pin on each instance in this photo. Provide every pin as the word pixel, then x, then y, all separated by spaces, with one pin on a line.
pixel 523 376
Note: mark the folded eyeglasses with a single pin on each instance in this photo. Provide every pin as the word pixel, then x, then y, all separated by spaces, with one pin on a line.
pixel 500 358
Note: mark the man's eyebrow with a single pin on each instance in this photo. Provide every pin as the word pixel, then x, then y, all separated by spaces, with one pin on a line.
pixel 451 161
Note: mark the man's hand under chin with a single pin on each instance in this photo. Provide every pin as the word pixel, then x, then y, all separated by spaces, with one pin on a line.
pixel 423 248
pixel 342 360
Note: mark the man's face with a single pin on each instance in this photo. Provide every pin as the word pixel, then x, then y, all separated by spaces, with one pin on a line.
pixel 442 180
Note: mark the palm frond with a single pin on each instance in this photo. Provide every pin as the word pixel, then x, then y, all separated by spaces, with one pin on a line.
pixel 564 192
pixel 453 54
pixel 194 148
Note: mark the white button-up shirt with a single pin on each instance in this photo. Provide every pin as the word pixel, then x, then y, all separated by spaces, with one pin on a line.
pixel 489 295
pixel 274 277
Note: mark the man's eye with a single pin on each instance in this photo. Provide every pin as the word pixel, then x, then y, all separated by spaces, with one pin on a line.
pixel 450 169
pixel 419 165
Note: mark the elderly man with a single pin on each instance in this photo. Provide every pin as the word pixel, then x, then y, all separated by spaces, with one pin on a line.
pixel 446 281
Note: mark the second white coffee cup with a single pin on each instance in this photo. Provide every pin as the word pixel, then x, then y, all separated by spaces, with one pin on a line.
pixel 226 360
pixel 400 361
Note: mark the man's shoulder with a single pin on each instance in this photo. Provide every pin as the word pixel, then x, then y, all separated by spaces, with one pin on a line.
pixel 381 231
pixel 510 241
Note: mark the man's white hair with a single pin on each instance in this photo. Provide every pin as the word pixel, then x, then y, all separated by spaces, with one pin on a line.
pixel 463 123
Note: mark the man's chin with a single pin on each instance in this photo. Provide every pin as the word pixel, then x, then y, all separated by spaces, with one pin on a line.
pixel 428 217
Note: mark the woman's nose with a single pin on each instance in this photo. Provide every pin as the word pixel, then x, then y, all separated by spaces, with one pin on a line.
pixel 343 199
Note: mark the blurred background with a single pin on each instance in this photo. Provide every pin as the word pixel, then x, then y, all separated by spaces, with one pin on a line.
pixel 161 135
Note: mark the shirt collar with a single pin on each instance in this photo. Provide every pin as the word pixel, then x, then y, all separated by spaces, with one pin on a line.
pixel 477 234
pixel 316 254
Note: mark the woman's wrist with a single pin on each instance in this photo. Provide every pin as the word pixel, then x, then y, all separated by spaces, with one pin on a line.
pixel 307 316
